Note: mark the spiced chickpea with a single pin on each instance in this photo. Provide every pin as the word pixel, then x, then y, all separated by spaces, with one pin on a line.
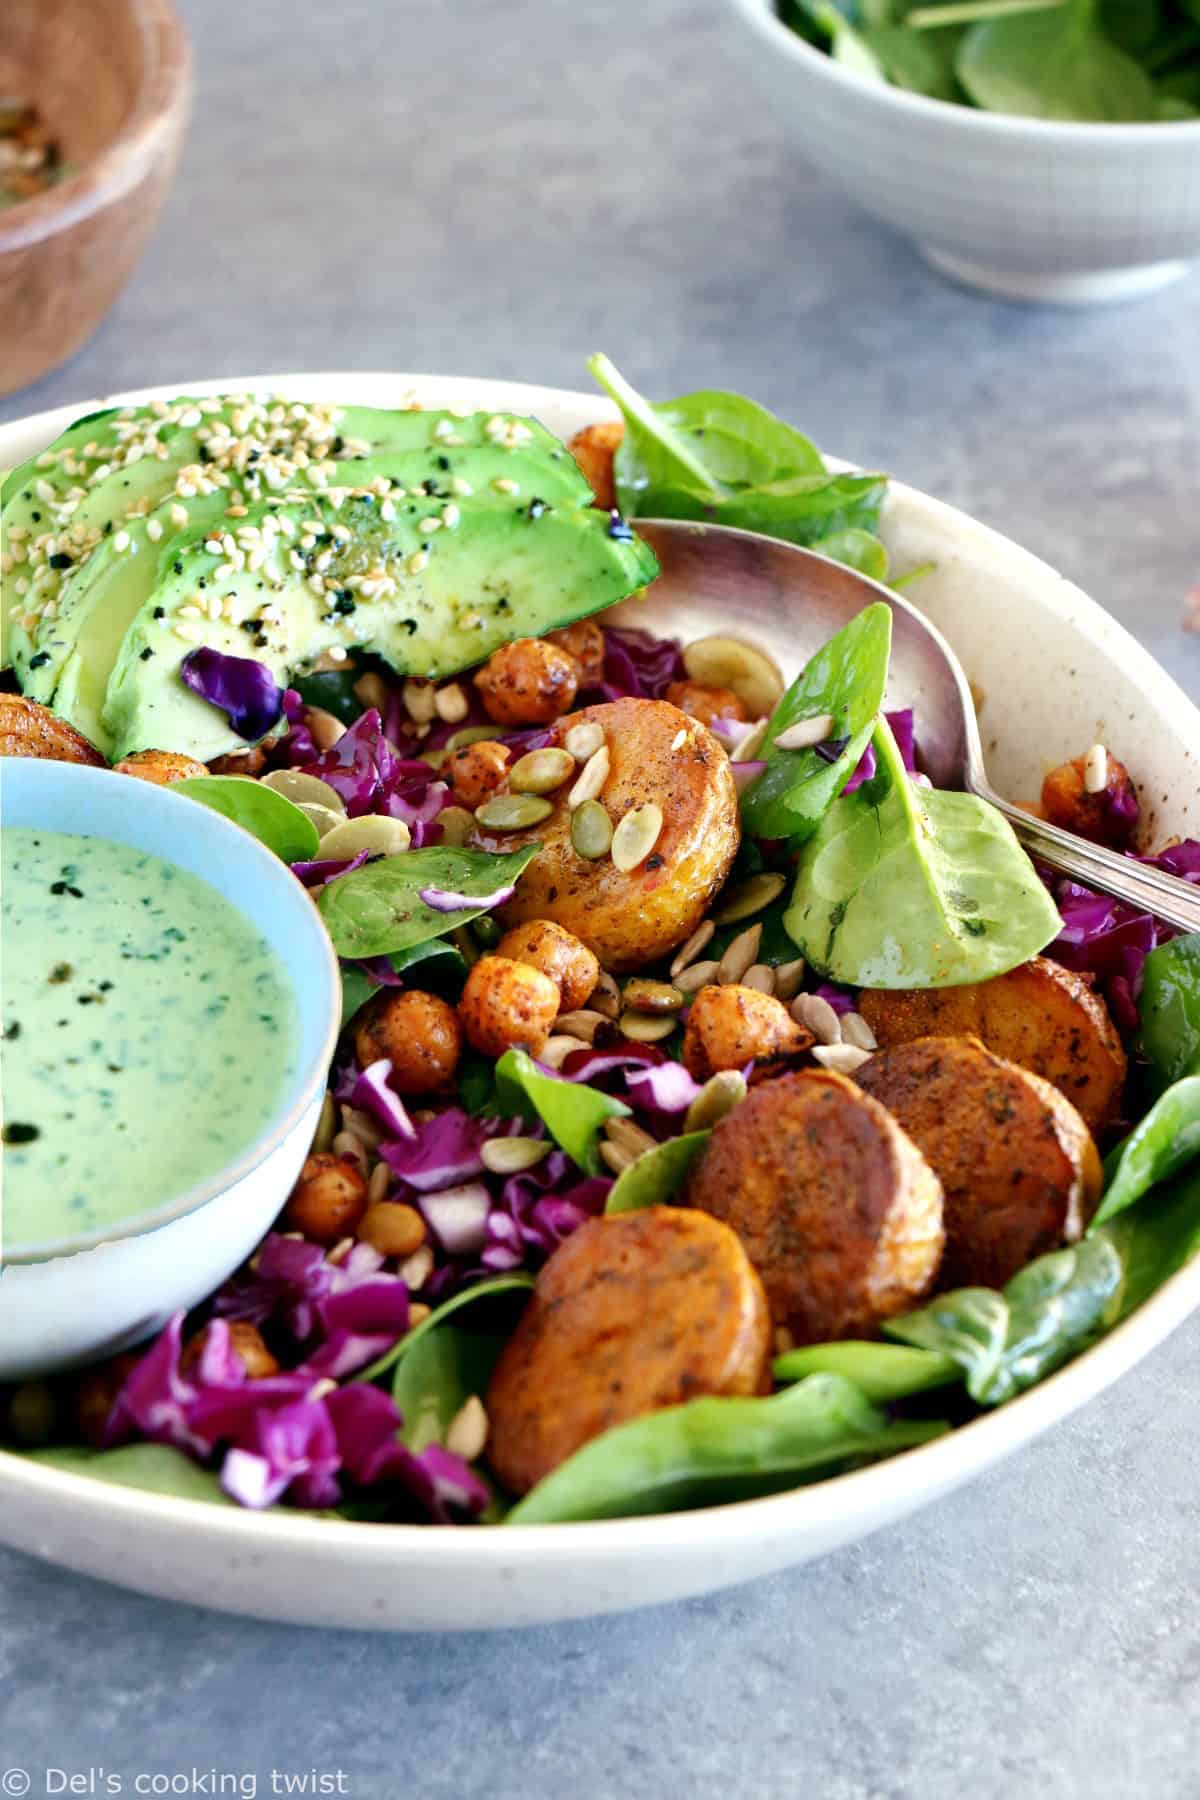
pixel 240 762
pixel 328 1200
pixel 728 1027
pixel 247 1342
pixel 529 682
pixel 418 1032
pixel 1106 815
pixel 583 640
pixel 558 953
pixel 476 771
pixel 392 1228
pixel 705 703
pixel 96 1394
pixel 506 1003
pixel 160 766
pixel 594 449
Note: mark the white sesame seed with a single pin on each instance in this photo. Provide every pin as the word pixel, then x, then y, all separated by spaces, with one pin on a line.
pixel 336 653
pixel 451 516
pixel 429 525
pixel 178 515
pixel 154 530
pixel 191 634
pixel 387 510
pixel 190 612
pixel 417 561
pixel 121 541
pixel 503 485
pixel 460 486
pixel 44 491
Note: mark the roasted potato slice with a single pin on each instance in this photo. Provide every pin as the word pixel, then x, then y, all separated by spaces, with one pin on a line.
pixel 655 755
pixel 1017 1164
pixel 631 1314
pixel 1042 1016
pixel 29 729
pixel 838 1210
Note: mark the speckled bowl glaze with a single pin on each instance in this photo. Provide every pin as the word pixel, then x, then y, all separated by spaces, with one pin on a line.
pixel 1057 673
pixel 1028 209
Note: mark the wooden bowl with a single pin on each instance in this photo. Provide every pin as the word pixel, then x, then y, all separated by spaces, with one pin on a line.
pixel 112 83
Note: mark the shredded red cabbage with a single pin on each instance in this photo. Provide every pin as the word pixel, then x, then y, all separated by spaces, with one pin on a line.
pixel 244 690
pixel 372 1093
pixel 902 730
pixel 638 663
pixel 320 873
pixel 444 900
pixel 371 776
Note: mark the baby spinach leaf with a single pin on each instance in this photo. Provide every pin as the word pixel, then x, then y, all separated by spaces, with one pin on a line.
pixel 377 910
pixel 883 1372
pixel 922 62
pixel 1170 1009
pixel 857 550
pixel 802 509
pixel 494 1287
pixel 847 46
pixel 1153 1240
pixel 909 887
pixel 156 1468
pixel 333 691
pixel 709 1451
pixel 266 815
pixel 845 679
pixel 1006 1340
pixel 657 1177
pixel 356 991
pixel 358 988
pixel 437 1376
pixel 572 1112
pixel 1157 1148
pixel 1055 64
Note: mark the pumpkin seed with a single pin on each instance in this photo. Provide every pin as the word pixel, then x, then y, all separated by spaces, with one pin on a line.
pixel 592 777
pixel 700 938
pixel 582 1024
pixel 513 812
pixel 380 836
pixel 856 1031
pixel 719 1095
pixel 419 700
pixel 843 1059
pixel 761 977
pixel 451 704
pixel 377 1187
pixel 456 823
pixel 605 997
pixel 591 830
pixel 805 733
pixel 647 1028
pixel 740 955
pixel 636 835
pixel 696 976
pixel 325 818
pixel 300 788
pixel 652 996
pixel 723 661
pixel 583 740
pixel 748 897
pixel 470 734
pixel 788 976
pixel 346 1143
pixel 326 1125
pixel 467 1432
pixel 508 1156
pixel 817 1016
pixel 540 771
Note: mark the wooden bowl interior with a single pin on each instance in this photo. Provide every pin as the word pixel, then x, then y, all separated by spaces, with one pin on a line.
pixel 80 62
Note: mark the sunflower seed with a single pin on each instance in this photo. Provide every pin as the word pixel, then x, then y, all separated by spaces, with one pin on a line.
pixel 687 953
pixel 1095 770
pixel 591 831
pixel 324 728
pixel 540 771
pixel 788 976
pixel 513 812
pixel 719 1095
pixel 616 1159
pixel 582 1024
pixel 761 977
pixel 346 1143
pixel 605 997
pixel 629 1136
pixel 367 1130
pixel 379 1183
pixel 592 777
pixel 750 743
pixel 635 836
pixel 451 704
pixel 843 1059
pixel 696 976
pixel 415 1272
pixel 817 1016
pixel 748 897
pixel 508 1156
pixel 805 733
pixel 583 740
pixel 856 1031
pixel 467 1431
pixel 740 955
pixel 647 1028
pixel 556 1050
pixel 652 996
pixel 370 689
pixel 420 701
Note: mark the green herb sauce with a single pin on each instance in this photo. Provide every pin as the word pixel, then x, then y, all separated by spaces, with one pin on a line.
pixel 147 1033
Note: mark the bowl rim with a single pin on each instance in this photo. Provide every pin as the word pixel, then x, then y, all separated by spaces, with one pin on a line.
pixel 160 104
pixel 761 17
pixel 869 1497
pixel 262 866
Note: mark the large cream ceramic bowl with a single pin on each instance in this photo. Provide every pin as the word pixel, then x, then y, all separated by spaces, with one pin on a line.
pixel 1058 673
pixel 1029 209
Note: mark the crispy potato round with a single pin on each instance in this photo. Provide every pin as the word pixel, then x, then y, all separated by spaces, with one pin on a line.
pixel 1042 1016
pixel 730 1026
pixel 528 682
pixel 1017 1164
pixel 631 1314
pixel 594 449
pixel 162 767
pixel 584 640
pixel 418 1032
pixel 1108 817
pixel 29 729
pixel 705 703
pixel 506 1004
pixel 629 919
pixel 838 1210
pixel 558 953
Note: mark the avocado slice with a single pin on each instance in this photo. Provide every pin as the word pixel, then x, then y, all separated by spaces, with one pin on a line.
pixel 72 652
pixel 109 467
pixel 428 598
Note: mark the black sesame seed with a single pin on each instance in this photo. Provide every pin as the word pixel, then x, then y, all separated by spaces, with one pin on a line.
pixel 60 560
pixel 146 654
pixel 39 661
pixel 20 1134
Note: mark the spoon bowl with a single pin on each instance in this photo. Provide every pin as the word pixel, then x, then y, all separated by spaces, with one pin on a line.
pixel 714 578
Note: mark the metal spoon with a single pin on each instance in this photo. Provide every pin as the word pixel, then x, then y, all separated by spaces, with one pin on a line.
pixel 717 579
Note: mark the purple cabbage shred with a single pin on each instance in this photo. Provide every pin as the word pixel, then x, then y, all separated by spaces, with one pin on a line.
pixel 244 690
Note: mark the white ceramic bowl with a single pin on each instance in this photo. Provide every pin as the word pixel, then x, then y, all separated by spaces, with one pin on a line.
pixel 88 1296
pixel 1026 208
pixel 1058 673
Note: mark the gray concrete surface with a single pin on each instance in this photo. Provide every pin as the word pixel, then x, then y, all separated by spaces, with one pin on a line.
pixel 383 184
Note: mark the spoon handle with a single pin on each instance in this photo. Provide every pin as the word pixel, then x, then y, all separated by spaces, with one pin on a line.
pixel 1150 890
